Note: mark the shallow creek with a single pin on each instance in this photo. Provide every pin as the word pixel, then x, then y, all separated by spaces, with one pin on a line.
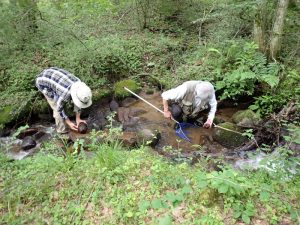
pixel 169 144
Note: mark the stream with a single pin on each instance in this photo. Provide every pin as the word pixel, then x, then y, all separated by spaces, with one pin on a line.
pixel 137 117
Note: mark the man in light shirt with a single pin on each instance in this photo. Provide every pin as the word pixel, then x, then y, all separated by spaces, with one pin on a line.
pixel 186 101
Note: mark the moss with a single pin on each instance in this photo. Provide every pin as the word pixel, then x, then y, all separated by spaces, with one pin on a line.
pixel 6 115
pixel 245 117
pixel 100 93
pixel 208 197
pixel 149 91
pixel 229 139
pixel 120 92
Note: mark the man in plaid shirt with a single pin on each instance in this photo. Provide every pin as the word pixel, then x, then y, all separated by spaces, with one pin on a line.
pixel 60 86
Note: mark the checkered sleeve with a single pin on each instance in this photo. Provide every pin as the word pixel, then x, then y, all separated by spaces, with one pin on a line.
pixel 60 108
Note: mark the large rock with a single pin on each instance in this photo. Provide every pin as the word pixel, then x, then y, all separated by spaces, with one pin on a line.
pixel 245 118
pixel 27 132
pixel 229 139
pixel 132 85
pixel 129 139
pixel 127 102
pixel 28 143
pixel 114 105
pixel 148 137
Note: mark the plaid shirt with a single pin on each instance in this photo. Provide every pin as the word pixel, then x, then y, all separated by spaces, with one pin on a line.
pixel 56 83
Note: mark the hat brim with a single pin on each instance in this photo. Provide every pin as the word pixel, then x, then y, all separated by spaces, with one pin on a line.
pixel 74 88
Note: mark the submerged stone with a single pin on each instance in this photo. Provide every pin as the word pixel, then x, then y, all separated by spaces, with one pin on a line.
pixel 114 105
pixel 229 139
pixel 28 143
pixel 128 102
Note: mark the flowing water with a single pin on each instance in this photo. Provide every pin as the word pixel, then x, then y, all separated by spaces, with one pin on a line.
pixel 148 118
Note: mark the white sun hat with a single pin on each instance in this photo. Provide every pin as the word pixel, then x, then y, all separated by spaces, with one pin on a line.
pixel 81 95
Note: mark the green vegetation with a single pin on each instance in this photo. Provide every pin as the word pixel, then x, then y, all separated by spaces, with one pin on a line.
pixel 139 187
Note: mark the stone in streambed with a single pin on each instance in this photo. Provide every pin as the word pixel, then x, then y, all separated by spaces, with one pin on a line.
pixel 27 132
pixel 114 105
pixel 128 102
pixel 246 118
pixel 149 137
pixel 229 139
pixel 82 128
pixel 28 143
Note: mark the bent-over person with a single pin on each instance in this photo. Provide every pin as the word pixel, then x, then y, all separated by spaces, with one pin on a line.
pixel 59 87
pixel 189 100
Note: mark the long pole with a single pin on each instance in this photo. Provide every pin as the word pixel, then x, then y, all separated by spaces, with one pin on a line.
pixel 148 103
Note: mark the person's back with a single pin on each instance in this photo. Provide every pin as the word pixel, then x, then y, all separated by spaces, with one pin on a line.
pixel 55 82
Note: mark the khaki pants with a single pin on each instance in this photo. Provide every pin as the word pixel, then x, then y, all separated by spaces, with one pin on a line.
pixel 59 121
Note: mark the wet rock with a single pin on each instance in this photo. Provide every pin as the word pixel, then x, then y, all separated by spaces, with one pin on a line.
pixel 128 115
pixel 5 132
pixel 137 112
pixel 123 114
pixel 28 143
pixel 27 132
pixel 41 136
pixel 129 139
pixel 131 123
pixel 82 128
pixel 97 121
pixel 245 118
pixel 128 102
pixel 229 139
pixel 114 105
pixel 149 137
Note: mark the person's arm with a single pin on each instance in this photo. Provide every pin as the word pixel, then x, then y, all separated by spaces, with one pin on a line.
pixel 77 111
pixel 174 94
pixel 213 108
pixel 167 112
pixel 60 109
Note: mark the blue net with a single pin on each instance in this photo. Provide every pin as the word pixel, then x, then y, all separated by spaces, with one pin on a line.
pixel 181 132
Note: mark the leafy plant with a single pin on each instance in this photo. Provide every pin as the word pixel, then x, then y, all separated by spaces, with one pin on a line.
pixel 247 68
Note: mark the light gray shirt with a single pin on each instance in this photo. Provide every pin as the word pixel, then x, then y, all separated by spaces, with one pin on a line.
pixel 197 93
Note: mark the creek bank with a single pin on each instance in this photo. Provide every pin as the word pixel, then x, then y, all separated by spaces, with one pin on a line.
pixel 142 125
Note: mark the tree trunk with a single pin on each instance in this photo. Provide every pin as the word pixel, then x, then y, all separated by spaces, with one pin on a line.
pixel 275 41
pixel 259 36
pixel 259 28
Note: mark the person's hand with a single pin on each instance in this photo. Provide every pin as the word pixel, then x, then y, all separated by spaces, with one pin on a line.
pixel 208 123
pixel 167 114
pixel 72 125
pixel 78 121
